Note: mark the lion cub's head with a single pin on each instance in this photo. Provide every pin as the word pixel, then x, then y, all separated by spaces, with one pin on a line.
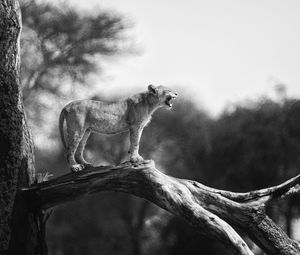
pixel 163 95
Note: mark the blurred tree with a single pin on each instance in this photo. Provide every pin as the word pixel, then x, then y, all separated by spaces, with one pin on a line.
pixel 255 146
pixel 182 239
pixel 112 223
pixel 60 43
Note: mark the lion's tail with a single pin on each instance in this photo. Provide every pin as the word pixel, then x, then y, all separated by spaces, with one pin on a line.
pixel 61 125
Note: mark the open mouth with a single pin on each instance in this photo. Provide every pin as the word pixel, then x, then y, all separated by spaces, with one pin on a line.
pixel 168 101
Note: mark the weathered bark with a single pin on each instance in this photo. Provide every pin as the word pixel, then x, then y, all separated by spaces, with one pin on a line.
pixel 16 148
pixel 208 210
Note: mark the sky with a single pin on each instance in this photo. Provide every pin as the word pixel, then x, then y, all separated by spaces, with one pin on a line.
pixel 215 52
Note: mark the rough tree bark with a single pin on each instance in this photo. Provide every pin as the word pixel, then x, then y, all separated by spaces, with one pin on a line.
pixel 16 148
pixel 209 210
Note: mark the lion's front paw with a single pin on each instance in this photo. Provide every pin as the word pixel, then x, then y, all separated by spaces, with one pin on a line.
pixel 136 158
pixel 77 168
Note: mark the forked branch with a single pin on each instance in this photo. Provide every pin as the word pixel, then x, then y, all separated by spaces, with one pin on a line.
pixel 210 211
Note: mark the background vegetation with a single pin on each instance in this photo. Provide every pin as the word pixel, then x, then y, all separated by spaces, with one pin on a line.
pixel 249 146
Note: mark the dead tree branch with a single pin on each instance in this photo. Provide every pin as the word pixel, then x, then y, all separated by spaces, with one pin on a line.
pixel 210 211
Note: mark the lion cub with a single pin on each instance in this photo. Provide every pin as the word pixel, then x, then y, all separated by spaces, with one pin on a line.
pixel 133 114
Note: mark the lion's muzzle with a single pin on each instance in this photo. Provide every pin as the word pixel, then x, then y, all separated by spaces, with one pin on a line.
pixel 169 98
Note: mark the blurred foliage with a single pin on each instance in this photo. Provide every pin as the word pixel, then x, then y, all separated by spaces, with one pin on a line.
pixel 61 43
pixel 256 146
pixel 249 146
pixel 178 239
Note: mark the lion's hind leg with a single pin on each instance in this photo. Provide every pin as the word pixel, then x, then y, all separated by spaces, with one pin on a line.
pixel 79 152
pixel 74 138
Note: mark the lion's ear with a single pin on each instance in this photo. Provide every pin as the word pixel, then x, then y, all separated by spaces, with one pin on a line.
pixel 152 89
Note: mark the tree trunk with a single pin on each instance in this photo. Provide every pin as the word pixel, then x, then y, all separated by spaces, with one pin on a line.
pixel 17 229
pixel 289 216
